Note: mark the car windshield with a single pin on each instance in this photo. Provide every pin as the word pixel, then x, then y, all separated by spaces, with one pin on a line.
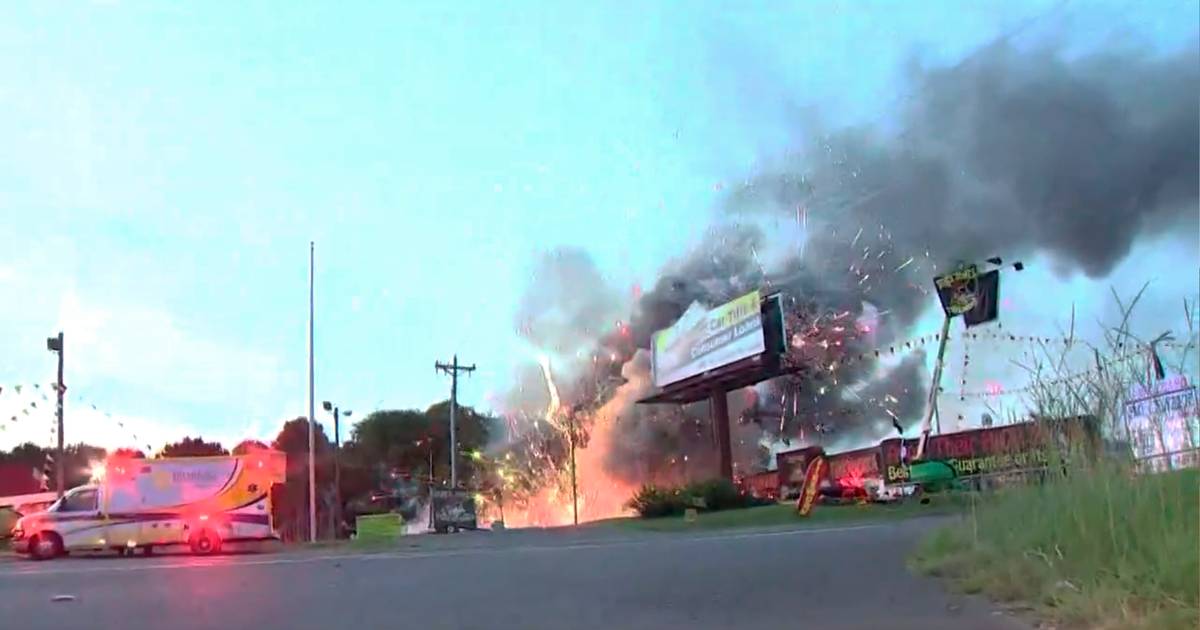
pixel 78 500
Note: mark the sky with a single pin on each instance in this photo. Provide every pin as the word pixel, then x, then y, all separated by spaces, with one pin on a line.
pixel 165 167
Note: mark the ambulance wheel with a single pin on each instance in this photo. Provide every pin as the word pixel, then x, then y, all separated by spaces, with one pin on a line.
pixel 45 546
pixel 205 543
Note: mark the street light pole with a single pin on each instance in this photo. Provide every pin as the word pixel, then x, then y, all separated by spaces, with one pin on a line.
pixel 312 413
pixel 55 345
pixel 337 452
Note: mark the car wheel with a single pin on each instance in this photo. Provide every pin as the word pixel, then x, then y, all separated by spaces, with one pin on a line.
pixel 45 546
pixel 205 543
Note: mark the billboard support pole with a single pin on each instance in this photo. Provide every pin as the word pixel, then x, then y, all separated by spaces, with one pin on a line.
pixel 720 418
pixel 931 403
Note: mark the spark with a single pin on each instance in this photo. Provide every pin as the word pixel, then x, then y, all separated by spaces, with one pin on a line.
pixel 904 264
pixel 855 241
pixel 555 402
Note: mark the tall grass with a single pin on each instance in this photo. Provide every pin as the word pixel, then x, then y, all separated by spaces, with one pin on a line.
pixel 1105 549
pixel 1094 544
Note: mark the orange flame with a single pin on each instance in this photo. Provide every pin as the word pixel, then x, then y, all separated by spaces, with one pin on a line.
pixel 601 495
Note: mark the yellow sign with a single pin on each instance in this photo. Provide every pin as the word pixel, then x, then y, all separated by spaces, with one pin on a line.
pixel 700 341
pixel 816 471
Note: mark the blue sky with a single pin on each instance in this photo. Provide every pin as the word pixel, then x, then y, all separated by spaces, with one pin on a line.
pixel 165 166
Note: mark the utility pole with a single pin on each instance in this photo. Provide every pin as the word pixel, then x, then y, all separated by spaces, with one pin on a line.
pixel 429 447
pixel 55 344
pixel 337 451
pixel 312 412
pixel 453 369
pixel 574 485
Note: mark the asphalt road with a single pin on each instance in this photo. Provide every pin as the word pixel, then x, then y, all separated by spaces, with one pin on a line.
pixel 851 577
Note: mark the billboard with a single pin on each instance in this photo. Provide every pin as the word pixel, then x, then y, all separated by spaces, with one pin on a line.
pixel 701 341
pixel 1163 423
pixel 968 293
pixel 987 300
pixel 452 509
pixel 1014 447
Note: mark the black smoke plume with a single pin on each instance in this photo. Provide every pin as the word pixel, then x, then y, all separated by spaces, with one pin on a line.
pixel 1012 152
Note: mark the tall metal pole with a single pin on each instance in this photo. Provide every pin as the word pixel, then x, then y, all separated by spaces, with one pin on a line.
pixel 574 486
pixel 60 469
pixel 337 470
pixel 454 425
pixel 453 369
pixel 312 412
pixel 931 402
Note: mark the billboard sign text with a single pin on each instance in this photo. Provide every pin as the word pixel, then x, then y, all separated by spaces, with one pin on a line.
pixel 701 341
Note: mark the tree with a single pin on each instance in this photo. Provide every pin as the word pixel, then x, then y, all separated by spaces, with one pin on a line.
pixel 390 439
pixel 291 501
pixel 406 439
pixel 192 447
pixel 129 452
pixel 77 461
pixel 249 446
pixel 29 454
pixel 473 430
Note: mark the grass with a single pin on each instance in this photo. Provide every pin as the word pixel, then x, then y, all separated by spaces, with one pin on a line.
pixel 386 537
pixel 785 514
pixel 1099 550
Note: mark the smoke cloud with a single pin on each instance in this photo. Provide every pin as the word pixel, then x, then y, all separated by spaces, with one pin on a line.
pixel 1012 152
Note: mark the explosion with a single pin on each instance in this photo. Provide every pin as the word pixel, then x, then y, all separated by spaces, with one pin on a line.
pixel 1011 152
pixel 599 493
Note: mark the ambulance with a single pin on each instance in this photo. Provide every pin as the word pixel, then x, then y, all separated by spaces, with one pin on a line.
pixel 147 504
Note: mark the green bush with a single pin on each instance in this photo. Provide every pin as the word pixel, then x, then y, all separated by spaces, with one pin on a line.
pixel 653 501
pixel 707 496
pixel 717 494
